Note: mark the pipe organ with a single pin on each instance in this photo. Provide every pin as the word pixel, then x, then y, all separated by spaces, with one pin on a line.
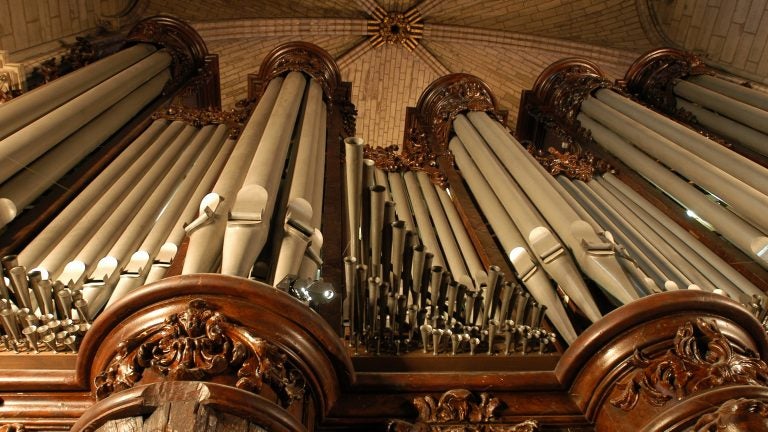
pixel 170 265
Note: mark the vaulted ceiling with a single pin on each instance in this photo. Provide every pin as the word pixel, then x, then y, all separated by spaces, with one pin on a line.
pixel 506 43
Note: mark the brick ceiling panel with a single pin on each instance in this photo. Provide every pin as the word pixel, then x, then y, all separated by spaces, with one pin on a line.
pixel 232 9
pixel 509 71
pixel 385 81
pixel 240 57
pixel 609 23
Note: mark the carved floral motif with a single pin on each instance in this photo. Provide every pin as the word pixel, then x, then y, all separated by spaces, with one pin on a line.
pixel 653 76
pixel 459 411
pixel 197 344
pixel 416 156
pixel 736 415
pixel 581 166
pixel 234 119
pixel 701 358
pixel 302 57
pixel 15 427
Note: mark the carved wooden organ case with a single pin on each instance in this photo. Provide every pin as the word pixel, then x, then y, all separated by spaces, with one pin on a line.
pixel 199 349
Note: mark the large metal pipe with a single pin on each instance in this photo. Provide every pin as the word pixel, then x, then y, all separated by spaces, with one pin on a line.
pixel 744 199
pixel 310 263
pixel 749 115
pixel 21 189
pixel 298 226
pixel 206 232
pixel 548 249
pixel 158 249
pixel 353 169
pixel 729 129
pixel 738 232
pixel 251 213
pixel 444 231
pixel 402 204
pixel 736 165
pixel 103 235
pixel 34 104
pixel 739 92
pixel 467 248
pixel 650 211
pixel 143 146
pixel 28 143
pixel 595 256
pixel 423 222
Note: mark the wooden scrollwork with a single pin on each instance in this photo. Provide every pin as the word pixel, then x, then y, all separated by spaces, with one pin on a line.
pixel 198 344
pixel 736 415
pixel 302 57
pixel 459 410
pixel 652 77
pixel 701 358
pixel 449 96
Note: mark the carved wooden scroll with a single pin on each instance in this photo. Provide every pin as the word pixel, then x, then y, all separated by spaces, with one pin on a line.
pixel 736 415
pixel 460 411
pixel 701 358
pixel 198 345
pixel 653 76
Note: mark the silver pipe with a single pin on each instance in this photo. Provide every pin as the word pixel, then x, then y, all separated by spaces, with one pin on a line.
pixel 36 103
pixel 353 169
pixel 376 226
pixel 426 231
pixel 23 188
pixel 251 212
pixel 746 200
pixel 104 187
pixel 206 233
pixel 729 129
pixel 741 93
pixel 466 247
pixel 402 203
pixel 741 234
pixel 749 115
pixel 25 145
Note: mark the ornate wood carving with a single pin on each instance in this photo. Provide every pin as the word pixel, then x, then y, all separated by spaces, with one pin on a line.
pixel 652 77
pixel 16 427
pixel 302 57
pixel 459 411
pixel 198 117
pixel 183 43
pixel 701 358
pixel 736 415
pixel 196 345
pixel 582 165
pixel 446 98
pixel 416 156
pixel 562 86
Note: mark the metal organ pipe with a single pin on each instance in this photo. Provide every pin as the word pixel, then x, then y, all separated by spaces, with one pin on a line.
pixel 206 232
pixel 42 100
pixel 744 113
pixel 743 198
pixel 142 148
pixel 311 260
pixel 28 143
pixel 159 247
pixel 594 255
pixel 515 247
pixel 425 227
pixel 249 217
pixel 549 251
pixel 298 226
pixel 740 233
pixel 21 189
pixel 734 164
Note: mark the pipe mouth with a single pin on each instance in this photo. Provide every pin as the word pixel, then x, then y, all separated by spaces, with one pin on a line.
pixel 354 141
pixel 8 211
pixel 759 247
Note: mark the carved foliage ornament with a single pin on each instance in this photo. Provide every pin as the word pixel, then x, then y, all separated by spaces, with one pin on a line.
pixel 197 344
pixel 736 415
pixel 302 57
pixel 183 43
pixel 653 76
pixel 15 427
pixel 580 166
pixel 702 358
pixel 416 156
pixel 459 411
pixel 234 119
pixel 448 97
